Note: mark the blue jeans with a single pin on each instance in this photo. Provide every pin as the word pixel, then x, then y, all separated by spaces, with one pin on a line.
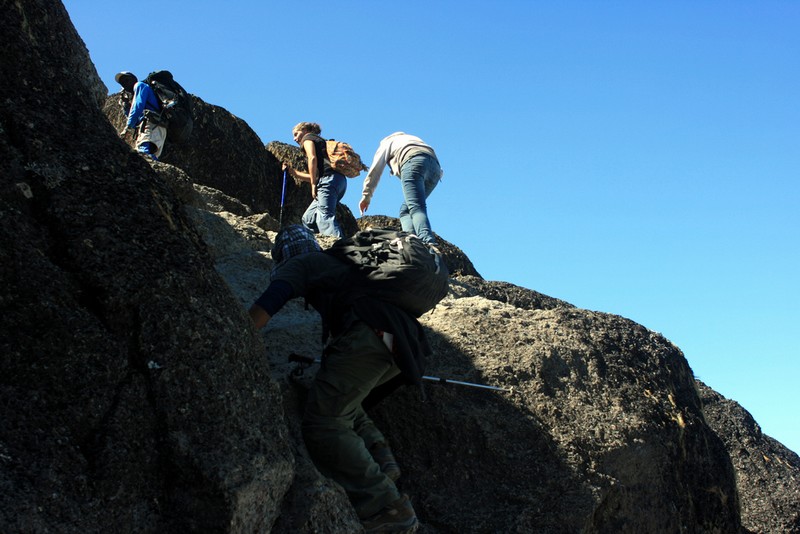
pixel 418 177
pixel 320 216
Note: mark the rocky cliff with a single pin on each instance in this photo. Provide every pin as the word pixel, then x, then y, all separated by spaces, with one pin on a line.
pixel 136 396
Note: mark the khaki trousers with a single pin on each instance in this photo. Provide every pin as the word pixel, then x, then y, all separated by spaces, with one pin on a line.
pixel 337 431
pixel 152 133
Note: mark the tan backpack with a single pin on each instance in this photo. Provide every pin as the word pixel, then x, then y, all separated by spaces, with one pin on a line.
pixel 344 159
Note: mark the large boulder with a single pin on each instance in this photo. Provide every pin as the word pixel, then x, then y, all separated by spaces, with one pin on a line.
pixel 767 473
pixel 604 431
pixel 135 395
pixel 222 152
pixel 225 154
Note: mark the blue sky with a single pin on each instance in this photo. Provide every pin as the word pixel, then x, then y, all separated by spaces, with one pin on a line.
pixel 635 158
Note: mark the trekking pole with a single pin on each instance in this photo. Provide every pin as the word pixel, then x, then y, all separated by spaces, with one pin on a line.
pixel 304 362
pixel 283 194
pixel 458 382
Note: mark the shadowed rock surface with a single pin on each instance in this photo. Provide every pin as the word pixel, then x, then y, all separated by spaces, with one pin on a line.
pixel 223 152
pixel 767 473
pixel 136 397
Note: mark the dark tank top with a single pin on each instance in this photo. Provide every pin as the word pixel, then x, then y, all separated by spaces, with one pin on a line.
pixel 323 163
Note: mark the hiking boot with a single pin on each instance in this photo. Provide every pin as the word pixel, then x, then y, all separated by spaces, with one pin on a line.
pixel 383 456
pixel 398 517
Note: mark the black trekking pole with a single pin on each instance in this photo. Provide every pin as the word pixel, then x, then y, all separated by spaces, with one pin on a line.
pixel 283 194
pixel 304 362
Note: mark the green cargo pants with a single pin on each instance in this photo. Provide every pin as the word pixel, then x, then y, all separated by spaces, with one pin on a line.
pixel 337 431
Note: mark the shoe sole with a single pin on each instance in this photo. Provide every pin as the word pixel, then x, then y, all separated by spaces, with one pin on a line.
pixel 391 528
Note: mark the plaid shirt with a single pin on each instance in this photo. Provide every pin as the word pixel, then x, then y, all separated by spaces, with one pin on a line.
pixel 293 240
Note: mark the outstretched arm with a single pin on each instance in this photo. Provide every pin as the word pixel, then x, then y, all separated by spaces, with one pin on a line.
pixel 379 162
pixel 270 302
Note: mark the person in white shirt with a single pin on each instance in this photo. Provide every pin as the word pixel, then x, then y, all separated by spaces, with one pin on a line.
pixel 417 166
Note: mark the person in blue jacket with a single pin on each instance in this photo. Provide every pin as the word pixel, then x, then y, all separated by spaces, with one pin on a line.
pixel 143 111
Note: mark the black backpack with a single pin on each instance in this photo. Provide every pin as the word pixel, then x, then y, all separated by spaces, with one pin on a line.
pixel 396 267
pixel 176 105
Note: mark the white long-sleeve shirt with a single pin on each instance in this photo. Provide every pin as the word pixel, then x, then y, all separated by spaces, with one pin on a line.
pixel 393 150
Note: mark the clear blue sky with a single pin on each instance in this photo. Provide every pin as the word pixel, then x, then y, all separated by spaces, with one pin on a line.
pixel 636 158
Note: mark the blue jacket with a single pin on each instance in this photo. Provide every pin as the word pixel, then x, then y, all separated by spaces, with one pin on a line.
pixel 143 98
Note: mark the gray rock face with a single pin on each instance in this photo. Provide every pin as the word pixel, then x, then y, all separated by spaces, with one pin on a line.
pixel 605 423
pixel 226 155
pixel 137 398
pixel 223 153
pixel 135 395
pixel 767 473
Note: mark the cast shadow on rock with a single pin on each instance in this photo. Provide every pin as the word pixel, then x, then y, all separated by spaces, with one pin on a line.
pixel 474 460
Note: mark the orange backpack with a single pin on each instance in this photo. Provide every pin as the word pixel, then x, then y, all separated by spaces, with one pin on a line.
pixel 344 159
